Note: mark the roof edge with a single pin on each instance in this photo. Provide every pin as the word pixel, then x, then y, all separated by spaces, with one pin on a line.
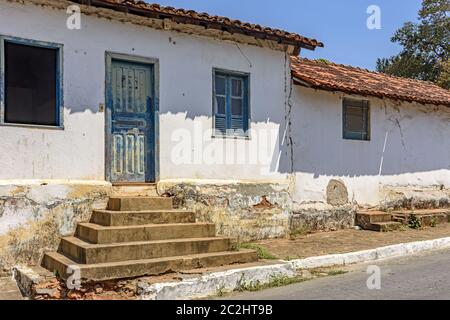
pixel 309 82
pixel 155 11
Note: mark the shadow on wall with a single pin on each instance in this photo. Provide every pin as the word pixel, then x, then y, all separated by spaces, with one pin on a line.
pixel 256 156
pixel 404 139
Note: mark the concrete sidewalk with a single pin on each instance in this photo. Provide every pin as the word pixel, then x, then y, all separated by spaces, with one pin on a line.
pixel 343 241
pixel 232 280
pixel 9 289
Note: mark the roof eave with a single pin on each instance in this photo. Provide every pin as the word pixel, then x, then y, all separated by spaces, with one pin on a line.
pixel 306 44
pixel 300 82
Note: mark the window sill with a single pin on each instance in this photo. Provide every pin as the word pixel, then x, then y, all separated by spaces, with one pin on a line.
pixel 32 126
pixel 220 136
pixel 356 139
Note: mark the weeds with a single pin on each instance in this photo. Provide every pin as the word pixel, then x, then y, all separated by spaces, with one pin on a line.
pixel 275 282
pixel 414 222
pixel 220 291
pixel 434 222
pixel 262 253
pixel 336 272
pixel 281 280
pixel 299 232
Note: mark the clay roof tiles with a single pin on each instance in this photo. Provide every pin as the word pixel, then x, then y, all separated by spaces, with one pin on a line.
pixel 336 77
pixel 204 19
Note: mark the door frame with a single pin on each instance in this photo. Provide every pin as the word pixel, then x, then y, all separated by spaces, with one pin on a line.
pixel 154 63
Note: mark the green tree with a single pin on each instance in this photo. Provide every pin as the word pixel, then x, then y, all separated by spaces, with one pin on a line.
pixel 425 45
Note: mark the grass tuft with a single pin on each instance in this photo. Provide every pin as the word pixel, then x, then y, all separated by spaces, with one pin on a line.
pixel 262 253
pixel 275 282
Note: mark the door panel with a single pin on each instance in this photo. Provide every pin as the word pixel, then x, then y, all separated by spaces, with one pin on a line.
pixel 132 136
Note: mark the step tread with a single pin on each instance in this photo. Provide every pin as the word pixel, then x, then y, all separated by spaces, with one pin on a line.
pixel 56 262
pixel 143 226
pixel 134 184
pixel 144 211
pixel 386 223
pixel 62 258
pixel 373 213
pixel 128 197
pixel 86 245
pixel 423 212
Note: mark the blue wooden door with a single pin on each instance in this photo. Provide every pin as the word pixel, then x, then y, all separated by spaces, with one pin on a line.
pixel 132 114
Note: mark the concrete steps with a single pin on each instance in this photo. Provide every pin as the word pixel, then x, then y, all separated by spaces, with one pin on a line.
pixel 384 226
pixel 139 203
pixel 129 269
pixel 141 234
pixel 129 218
pixel 88 253
pixel 427 217
pixel 133 190
pixel 376 221
pixel 99 234
pixel 383 221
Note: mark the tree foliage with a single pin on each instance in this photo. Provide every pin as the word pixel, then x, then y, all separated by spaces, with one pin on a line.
pixel 425 46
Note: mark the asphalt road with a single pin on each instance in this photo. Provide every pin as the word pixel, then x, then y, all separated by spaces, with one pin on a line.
pixel 422 277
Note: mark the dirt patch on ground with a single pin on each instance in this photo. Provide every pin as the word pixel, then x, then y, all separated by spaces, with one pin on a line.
pixel 344 241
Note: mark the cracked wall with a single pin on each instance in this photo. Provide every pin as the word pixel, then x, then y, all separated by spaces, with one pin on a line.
pixel 405 164
pixel 245 210
pixel 185 109
pixel 34 216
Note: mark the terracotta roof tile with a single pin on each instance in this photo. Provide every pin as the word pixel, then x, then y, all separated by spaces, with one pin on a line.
pixel 193 17
pixel 336 77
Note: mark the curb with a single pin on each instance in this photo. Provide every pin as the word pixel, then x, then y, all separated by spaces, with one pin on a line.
pixel 213 283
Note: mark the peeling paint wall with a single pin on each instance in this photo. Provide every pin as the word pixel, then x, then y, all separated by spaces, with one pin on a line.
pixel 247 211
pixel 406 163
pixel 185 100
pixel 306 178
pixel 62 172
pixel 34 215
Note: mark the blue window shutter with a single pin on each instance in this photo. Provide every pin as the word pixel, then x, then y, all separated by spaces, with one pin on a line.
pixel 220 124
pixel 246 107
pixel 234 119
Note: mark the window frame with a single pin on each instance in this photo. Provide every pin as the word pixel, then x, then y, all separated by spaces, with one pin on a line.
pixel 246 102
pixel 353 135
pixel 59 81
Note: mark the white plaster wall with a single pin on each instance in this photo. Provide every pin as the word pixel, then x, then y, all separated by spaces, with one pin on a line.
pixel 417 151
pixel 186 64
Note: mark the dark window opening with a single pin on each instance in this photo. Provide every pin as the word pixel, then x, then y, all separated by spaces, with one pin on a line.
pixel 356 119
pixel 30 85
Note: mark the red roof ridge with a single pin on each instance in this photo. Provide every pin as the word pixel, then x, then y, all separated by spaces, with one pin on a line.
pixel 347 66
pixel 332 76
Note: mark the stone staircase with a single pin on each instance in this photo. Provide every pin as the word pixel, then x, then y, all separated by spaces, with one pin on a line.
pixel 427 217
pixel 383 221
pixel 140 234
pixel 376 221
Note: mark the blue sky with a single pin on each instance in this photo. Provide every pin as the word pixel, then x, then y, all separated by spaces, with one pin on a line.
pixel 339 24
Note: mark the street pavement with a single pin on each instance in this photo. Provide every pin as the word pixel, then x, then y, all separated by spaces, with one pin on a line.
pixel 420 277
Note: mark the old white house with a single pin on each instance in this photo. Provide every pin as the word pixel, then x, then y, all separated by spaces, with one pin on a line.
pixel 209 110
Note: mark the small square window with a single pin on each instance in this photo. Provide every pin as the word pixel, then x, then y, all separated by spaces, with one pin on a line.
pixel 231 114
pixel 356 119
